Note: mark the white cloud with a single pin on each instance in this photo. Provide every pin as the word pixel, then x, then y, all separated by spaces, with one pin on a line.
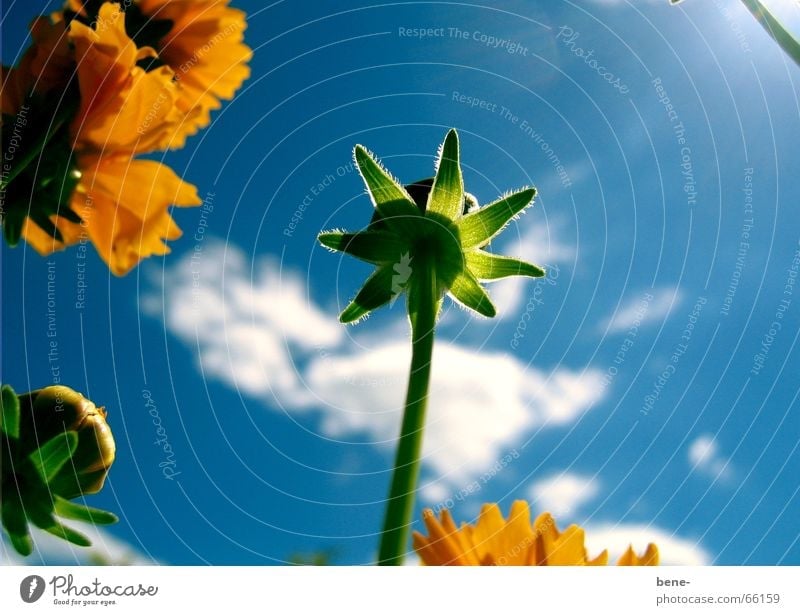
pixel 563 494
pixel 705 457
pixel 543 245
pixel 49 550
pixel 649 306
pixel 673 550
pixel 247 324
pixel 262 335
pixel 480 404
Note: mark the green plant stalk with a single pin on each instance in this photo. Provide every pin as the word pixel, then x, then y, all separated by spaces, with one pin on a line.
pixel 397 522
pixel 775 29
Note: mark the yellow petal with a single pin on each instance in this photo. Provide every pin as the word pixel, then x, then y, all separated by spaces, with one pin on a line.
pixel 649 558
pixel 129 201
pixel 568 549
pixel 546 533
pixel 600 560
pixel 493 540
pixel 487 538
pixel 44 243
pixel 518 536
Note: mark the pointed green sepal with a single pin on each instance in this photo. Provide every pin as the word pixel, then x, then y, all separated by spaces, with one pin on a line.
pixel 68 534
pixel 79 512
pixel 377 291
pixel 13 221
pixel 375 247
pixel 22 543
pixel 486 266
pixel 382 187
pixel 49 458
pixel 478 228
pixel 70 215
pixel 469 293
pixel 9 411
pixel 447 194
pixel 12 513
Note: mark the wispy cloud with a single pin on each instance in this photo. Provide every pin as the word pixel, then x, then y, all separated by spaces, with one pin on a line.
pixel 264 336
pixel 563 494
pixel 704 456
pixel 247 323
pixel 645 307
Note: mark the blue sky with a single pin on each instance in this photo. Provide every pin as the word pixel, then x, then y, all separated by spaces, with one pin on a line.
pixel 623 392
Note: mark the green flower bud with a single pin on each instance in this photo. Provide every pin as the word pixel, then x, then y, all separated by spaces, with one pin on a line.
pixel 430 230
pixel 54 410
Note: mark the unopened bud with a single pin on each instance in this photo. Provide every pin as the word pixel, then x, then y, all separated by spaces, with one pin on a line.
pixel 49 412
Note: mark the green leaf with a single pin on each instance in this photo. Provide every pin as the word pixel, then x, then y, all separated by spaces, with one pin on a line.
pixel 468 292
pixel 376 247
pixel 486 266
pixel 68 534
pixel 478 228
pixel 49 458
pixel 9 411
pixel 377 291
pixel 447 195
pixel 381 185
pixel 79 512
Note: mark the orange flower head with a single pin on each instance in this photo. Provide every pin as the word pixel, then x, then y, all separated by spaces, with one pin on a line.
pixel 87 185
pixel 494 541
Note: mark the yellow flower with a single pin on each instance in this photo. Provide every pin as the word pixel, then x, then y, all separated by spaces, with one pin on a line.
pixel 123 107
pixel 119 203
pixel 123 204
pixel 205 47
pixel 49 412
pixel 494 541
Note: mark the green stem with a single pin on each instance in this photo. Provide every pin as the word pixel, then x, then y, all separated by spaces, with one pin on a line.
pixel 775 29
pixel 397 522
